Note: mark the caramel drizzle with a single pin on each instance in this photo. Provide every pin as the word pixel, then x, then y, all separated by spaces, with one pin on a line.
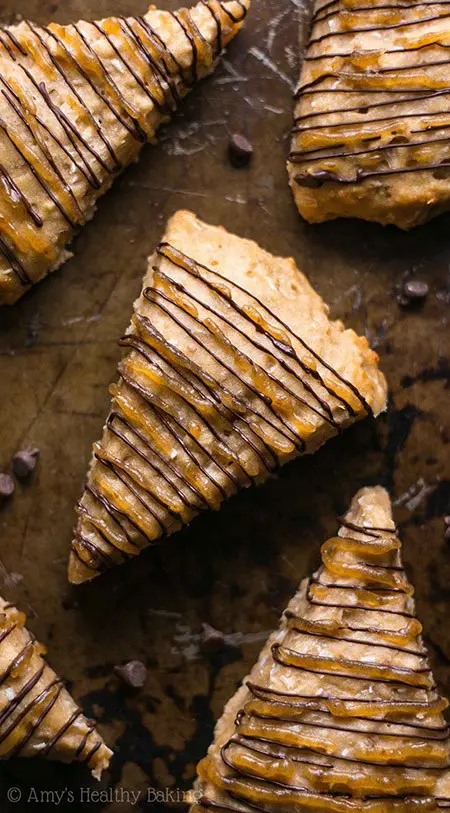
pixel 315 703
pixel 315 178
pixel 295 709
pixel 439 733
pixel 141 51
pixel 223 408
pixel 46 699
pixel 191 266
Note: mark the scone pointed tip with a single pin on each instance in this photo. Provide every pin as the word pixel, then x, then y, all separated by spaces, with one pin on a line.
pixel 100 762
pixel 148 64
pixel 39 716
pixel 371 506
pixel 78 573
pixel 345 680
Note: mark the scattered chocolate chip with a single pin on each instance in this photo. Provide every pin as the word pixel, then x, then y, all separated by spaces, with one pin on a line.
pixel 211 639
pixel 413 292
pixel 240 150
pixel 134 674
pixel 24 462
pixel 6 486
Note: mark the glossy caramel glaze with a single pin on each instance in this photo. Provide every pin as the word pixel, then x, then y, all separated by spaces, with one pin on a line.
pixel 371 136
pixel 341 712
pixel 38 717
pixel 77 103
pixel 219 387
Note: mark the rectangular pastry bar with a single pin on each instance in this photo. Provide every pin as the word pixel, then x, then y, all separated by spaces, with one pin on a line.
pixel 371 136
pixel 232 369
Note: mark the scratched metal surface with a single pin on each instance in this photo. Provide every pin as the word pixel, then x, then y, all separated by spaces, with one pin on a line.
pixel 58 352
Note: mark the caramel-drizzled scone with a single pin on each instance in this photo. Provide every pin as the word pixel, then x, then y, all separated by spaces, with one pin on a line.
pixel 233 368
pixel 371 136
pixel 38 717
pixel 341 712
pixel 77 103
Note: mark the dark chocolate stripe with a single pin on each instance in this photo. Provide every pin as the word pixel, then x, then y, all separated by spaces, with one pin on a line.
pixel 16 104
pixel 300 157
pixel 200 377
pixel 338 638
pixel 376 28
pixel 119 467
pixel 92 120
pixel 102 561
pixel 383 720
pixel 400 673
pixel 147 397
pixel 233 17
pixel 167 463
pixel 134 129
pixel 293 438
pixel 134 491
pixel 139 81
pixel 17 700
pixel 382 7
pixel 113 511
pixel 441 735
pixel 260 691
pixel 216 19
pixel 160 72
pixel 91 754
pixel 136 344
pixel 93 521
pixel 16 751
pixel 152 464
pixel 338 755
pixel 178 439
pixel 190 266
pixel 14 262
pixel 54 741
pixel 328 413
pixel 210 396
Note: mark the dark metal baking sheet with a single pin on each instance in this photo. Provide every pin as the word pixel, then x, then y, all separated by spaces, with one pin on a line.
pixel 58 352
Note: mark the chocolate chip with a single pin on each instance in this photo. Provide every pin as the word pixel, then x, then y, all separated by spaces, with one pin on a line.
pixel 211 639
pixel 24 462
pixel 134 674
pixel 413 292
pixel 240 150
pixel 6 486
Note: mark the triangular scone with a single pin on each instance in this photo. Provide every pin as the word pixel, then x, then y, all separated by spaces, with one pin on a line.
pixel 77 103
pixel 341 712
pixel 371 136
pixel 38 717
pixel 233 368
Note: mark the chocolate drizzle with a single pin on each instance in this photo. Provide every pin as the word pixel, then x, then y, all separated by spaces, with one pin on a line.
pixel 31 694
pixel 372 146
pixel 361 722
pixel 184 434
pixel 73 150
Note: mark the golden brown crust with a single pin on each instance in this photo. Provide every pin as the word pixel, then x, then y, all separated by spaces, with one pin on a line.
pixel 233 369
pixel 38 717
pixel 371 136
pixel 341 712
pixel 77 104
